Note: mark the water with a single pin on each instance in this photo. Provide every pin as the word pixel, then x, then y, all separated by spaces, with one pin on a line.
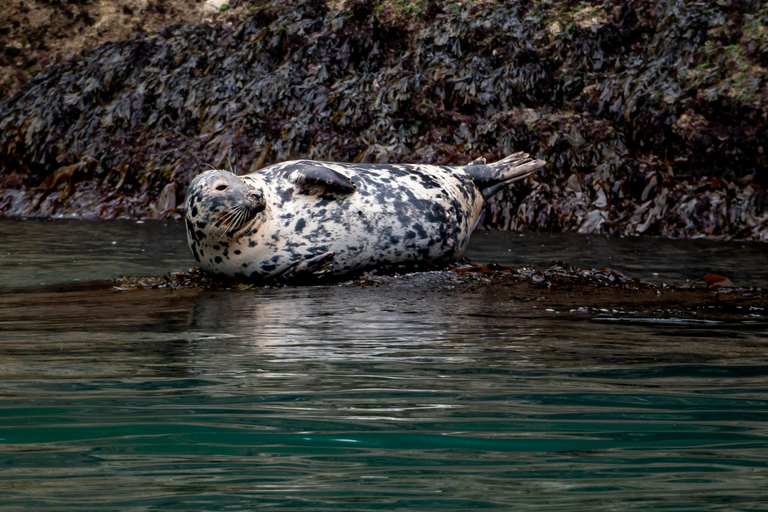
pixel 408 396
pixel 49 252
pixel 655 260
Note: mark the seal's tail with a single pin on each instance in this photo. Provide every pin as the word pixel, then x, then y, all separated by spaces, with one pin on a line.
pixel 493 177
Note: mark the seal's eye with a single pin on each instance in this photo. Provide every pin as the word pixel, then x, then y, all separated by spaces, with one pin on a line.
pixel 221 187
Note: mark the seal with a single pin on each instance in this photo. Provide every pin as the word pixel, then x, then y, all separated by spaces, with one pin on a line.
pixel 306 220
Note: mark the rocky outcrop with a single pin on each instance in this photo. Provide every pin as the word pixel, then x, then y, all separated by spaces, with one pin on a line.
pixel 652 116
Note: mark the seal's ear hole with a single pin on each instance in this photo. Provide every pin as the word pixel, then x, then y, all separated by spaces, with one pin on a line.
pixel 221 187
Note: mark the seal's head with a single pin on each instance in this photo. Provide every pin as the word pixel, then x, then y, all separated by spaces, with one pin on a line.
pixel 220 207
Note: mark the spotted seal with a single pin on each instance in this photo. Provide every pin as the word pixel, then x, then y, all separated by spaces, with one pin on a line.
pixel 306 219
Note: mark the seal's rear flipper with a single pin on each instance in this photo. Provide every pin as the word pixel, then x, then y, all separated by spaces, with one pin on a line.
pixel 493 177
pixel 330 180
pixel 311 269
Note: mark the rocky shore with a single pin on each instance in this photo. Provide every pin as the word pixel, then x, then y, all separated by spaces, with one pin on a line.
pixel 652 115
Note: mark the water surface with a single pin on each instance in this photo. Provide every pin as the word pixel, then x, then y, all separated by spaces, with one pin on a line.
pixel 412 395
pixel 45 252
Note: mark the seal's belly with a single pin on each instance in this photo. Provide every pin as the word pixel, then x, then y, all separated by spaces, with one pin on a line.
pixel 391 218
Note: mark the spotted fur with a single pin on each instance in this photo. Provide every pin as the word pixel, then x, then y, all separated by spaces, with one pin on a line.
pixel 326 218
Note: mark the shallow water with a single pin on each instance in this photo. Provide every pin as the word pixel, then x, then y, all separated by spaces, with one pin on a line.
pixel 408 396
pixel 46 252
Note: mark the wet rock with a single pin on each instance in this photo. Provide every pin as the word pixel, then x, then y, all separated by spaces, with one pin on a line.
pixel 602 294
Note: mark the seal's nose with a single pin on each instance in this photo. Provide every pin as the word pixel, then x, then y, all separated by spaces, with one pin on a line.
pixel 257 201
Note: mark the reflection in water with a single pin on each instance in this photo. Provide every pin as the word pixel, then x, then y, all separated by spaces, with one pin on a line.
pixel 412 395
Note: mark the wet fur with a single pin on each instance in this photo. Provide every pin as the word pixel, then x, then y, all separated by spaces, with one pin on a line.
pixel 351 217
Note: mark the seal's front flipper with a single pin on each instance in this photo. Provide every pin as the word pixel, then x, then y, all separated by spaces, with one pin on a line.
pixel 310 269
pixel 328 179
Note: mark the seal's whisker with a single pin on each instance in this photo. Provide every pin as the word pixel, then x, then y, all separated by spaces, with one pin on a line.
pixel 228 228
pixel 245 215
pixel 233 218
pixel 229 214
pixel 224 221
pixel 229 163
pixel 227 217
pixel 238 222
pixel 222 230
pixel 217 231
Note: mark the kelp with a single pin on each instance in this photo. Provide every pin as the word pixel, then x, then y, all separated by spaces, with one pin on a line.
pixel 652 115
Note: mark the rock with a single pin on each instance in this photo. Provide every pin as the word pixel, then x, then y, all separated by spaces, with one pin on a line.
pixel 212 7
pixel 641 116
pixel 166 201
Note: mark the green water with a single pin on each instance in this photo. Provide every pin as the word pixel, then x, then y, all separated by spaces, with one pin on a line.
pixel 410 396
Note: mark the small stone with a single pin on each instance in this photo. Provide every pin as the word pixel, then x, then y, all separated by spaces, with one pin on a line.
pixel 213 6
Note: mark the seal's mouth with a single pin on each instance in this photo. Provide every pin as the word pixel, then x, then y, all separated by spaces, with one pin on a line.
pixel 247 226
pixel 239 218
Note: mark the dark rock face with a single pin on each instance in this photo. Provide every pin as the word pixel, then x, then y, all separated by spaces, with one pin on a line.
pixel 652 115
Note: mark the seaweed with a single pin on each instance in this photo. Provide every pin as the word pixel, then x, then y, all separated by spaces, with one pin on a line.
pixel 558 275
pixel 652 115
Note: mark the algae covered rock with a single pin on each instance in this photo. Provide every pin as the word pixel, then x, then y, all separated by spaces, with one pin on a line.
pixel 652 116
